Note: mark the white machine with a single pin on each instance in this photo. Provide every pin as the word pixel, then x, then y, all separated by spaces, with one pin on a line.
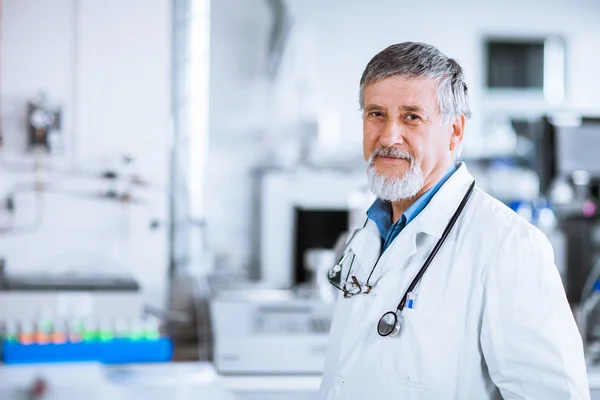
pixel 269 332
pixel 303 210
pixel 101 295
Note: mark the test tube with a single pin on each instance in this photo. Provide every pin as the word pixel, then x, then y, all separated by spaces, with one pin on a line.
pixel 152 329
pixel 122 328
pixel 90 330
pixel 59 332
pixel 26 336
pixel 43 328
pixel 75 331
pixel 106 332
pixel 137 330
pixel 10 331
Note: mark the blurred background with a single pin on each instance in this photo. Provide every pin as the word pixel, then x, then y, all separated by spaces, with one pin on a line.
pixel 175 176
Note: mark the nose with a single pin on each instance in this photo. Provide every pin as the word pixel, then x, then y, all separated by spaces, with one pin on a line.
pixel 392 134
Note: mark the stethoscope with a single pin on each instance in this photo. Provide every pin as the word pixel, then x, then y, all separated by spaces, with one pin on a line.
pixel 390 323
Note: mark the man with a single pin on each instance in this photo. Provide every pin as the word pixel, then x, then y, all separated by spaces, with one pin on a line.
pixel 487 317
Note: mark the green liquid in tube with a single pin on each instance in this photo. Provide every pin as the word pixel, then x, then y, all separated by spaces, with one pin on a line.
pixel 152 334
pixel 106 336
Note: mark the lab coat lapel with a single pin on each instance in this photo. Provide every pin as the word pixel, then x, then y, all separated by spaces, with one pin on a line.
pixel 431 221
pixel 435 217
pixel 398 254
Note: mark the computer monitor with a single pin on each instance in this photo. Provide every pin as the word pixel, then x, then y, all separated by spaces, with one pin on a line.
pixel 578 149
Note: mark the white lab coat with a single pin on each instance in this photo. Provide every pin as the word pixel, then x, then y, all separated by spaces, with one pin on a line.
pixel 490 317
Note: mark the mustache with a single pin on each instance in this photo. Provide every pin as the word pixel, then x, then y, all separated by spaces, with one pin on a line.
pixel 391 152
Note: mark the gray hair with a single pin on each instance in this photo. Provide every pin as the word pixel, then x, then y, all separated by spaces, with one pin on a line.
pixel 415 60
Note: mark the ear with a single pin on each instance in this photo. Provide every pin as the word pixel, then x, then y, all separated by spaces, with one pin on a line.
pixel 457 131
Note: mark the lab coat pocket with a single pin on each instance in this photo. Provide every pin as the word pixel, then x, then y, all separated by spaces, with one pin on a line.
pixel 421 355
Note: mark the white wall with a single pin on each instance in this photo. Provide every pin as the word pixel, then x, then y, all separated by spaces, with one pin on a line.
pixel 36 54
pixel 350 33
pixel 107 62
pixel 331 42
pixel 125 80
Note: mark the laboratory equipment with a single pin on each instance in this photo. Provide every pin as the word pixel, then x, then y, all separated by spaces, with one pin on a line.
pixel 590 324
pixel 317 262
pixel 560 150
pixel 521 65
pixel 569 171
pixel 576 148
pixel 269 332
pixel 76 317
pixel 101 295
pixel 302 210
pixel 43 122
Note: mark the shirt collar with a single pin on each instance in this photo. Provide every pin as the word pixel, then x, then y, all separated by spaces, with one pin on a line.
pixel 419 204
pixel 380 212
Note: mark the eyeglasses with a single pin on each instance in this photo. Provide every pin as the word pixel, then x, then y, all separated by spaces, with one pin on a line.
pixel 351 286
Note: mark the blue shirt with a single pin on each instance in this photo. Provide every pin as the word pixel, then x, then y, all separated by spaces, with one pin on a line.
pixel 381 212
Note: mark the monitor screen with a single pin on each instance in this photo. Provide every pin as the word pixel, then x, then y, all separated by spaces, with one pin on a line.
pixel 515 64
pixel 578 148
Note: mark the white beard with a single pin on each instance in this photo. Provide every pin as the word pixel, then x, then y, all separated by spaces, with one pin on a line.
pixel 396 188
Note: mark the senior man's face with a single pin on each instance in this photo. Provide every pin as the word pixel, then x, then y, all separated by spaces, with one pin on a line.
pixel 404 135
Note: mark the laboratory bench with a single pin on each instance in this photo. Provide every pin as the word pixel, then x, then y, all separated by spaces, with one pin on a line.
pixel 162 381
pixel 167 381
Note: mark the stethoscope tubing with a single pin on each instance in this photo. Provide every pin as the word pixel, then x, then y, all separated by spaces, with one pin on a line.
pixel 426 264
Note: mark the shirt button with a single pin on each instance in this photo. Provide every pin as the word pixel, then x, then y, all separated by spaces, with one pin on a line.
pixel 339 381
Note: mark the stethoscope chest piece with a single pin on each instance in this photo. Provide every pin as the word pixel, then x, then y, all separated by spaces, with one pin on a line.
pixel 390 324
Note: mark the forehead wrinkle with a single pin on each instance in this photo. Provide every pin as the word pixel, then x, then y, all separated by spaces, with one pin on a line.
pixel 410 88
pixel 413 108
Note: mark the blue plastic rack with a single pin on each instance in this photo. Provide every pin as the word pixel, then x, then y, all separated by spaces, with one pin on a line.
pixel 117 351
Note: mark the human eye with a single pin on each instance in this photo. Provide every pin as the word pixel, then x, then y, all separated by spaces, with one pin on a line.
pixel 376 114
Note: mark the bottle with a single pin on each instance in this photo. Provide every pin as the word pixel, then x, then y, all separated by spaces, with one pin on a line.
pixel 591 316
pixel 544 217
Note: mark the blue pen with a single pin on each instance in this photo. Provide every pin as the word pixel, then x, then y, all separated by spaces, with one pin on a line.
pixel 411 301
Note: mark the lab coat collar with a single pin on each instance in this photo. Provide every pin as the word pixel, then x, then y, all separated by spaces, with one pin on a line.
pixel 434 218
pixel 432 221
